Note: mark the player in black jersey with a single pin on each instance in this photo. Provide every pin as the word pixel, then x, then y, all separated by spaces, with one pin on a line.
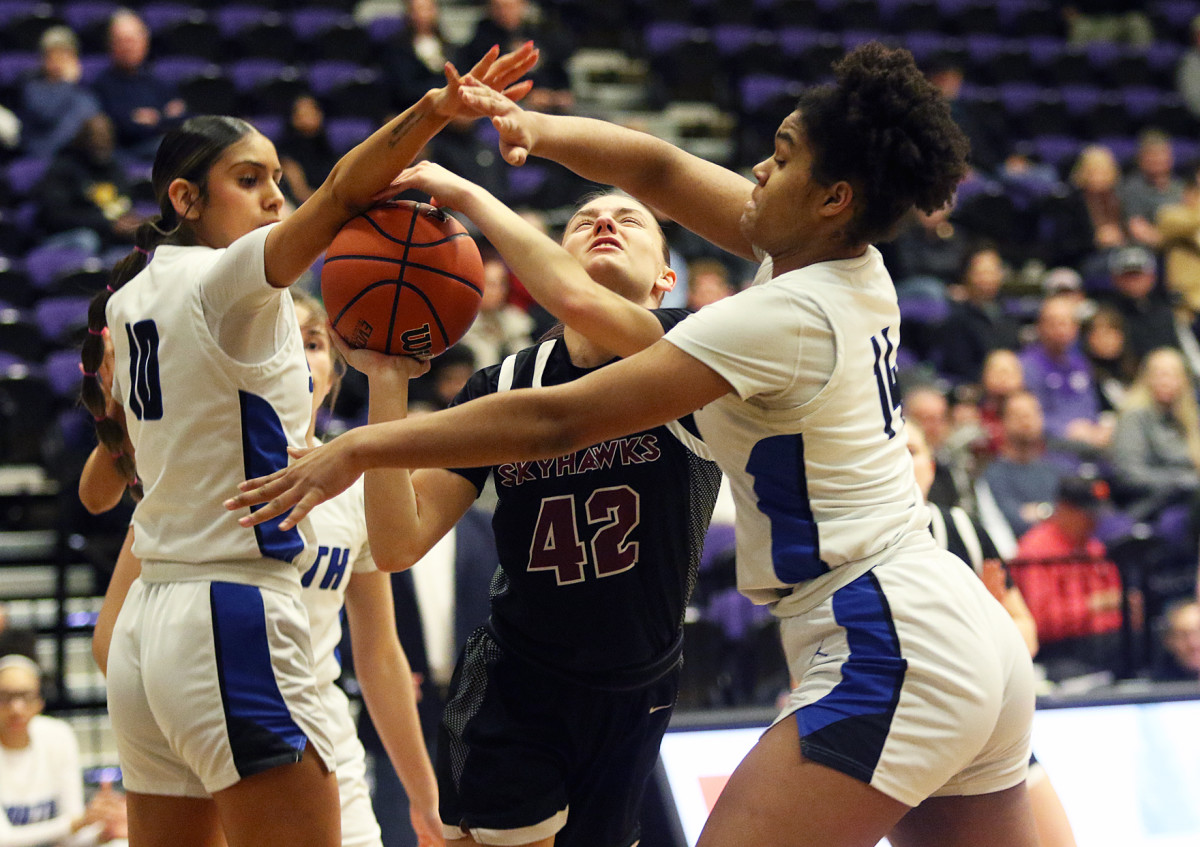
pixel 559 703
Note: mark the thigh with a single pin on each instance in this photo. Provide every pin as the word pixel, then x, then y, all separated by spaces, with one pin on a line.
pixel 1000 819
pixel 778 797
pixel 502 750
pixel 293 805
pixel 616 738
pixel 159 821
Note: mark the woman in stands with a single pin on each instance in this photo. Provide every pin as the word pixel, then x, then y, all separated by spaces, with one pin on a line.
pixel 216 708
pixel 914 699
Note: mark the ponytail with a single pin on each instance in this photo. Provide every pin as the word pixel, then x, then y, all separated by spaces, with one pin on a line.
pixel 109 431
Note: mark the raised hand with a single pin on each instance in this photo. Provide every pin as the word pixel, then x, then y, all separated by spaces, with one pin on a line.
pixel 493 72
pixel 447 189
pixel 510 120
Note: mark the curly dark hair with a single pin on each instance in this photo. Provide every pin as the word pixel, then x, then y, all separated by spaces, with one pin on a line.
pixel 886 130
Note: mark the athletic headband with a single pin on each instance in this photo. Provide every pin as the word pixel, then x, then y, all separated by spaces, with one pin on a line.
pixel 16 660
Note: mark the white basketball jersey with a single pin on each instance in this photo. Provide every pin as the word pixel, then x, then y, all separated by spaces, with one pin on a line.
pixel 813 445
pixel 340 532
pixel 202 422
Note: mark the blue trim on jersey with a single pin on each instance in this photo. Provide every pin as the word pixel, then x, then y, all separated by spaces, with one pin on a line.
pixel 781 486
pixel 261 730
pixel 873 673
pixel 264 451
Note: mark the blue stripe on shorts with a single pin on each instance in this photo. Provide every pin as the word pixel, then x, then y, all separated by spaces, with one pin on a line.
pixel 846 729
pixel 261 731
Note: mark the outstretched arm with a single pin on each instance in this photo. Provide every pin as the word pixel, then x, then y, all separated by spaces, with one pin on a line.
pixel 552 275
pixel 704 197
pixel 658 385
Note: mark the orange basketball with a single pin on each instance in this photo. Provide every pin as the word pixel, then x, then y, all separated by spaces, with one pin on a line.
pixel 402 278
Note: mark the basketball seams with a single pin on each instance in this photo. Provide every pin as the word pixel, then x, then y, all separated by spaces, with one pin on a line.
pixel 442 272
pixel 446 276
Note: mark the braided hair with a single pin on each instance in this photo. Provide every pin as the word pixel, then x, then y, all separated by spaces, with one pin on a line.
pixel 186 152
pixel 885 129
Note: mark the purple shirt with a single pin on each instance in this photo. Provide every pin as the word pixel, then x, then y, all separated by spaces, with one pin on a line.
pixel 1063 385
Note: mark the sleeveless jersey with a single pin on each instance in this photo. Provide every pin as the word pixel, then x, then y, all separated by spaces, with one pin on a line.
pixel 340 540
pixel 599 548
pixel 818 467
pixel 200 421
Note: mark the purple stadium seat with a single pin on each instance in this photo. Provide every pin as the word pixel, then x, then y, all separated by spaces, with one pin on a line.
pixel 794 40
pixel 61 371
pixel 1057 150
pixel 81 14
pixel 269 125
pixel 345 132
pixel 17 64
pixel 160 16
pixel 251 71
pixel 13 9
pixel 177 69
pixel 309 22
pixel 730 38
pixel 46 264
pixel 757 90
pixel 62 319
pixel 384 29
pixel 662 36
pixel 235 17
pixel 91 65
pixel 327 75
pixel 23 173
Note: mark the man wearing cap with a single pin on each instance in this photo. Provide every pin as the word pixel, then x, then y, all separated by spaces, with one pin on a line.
pixel 1070 585
pixel 54 104
pixel 1148 314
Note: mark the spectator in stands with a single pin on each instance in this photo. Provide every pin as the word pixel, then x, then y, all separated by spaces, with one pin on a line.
pixel 1003 375
pixel 54 103
pixel 928 254
pixel 501 328
pixel 1187 72
pixel 977 324
pixel 989 137
pixel 84 196
pixel 511 22
pixel 1114 365
pixel 1156 448
pixel 1181 642
pixel 412 62
pixel 1059 374
pixel 141 104
pixel 1150 187
pixel 1179 226
pixel 305 152
pixel 1072 588
pixel 928 407
pixel 1092 222
pixel 708 281
pixel 1017 488
pixel 10 133
pixel 1107 20
pixel 41 782
pixel 1147 312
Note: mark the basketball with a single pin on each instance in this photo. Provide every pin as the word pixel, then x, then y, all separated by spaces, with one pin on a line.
pixel 403 278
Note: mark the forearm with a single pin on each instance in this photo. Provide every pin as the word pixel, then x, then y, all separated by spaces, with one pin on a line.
pixel 391 504
pixel 390 696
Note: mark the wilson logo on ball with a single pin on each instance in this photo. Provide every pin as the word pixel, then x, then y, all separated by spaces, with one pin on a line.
pixel 402 278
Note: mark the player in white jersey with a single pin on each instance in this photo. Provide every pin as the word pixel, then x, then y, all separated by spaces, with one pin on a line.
pixel 219 721
pixel 914 699
pixel 342 574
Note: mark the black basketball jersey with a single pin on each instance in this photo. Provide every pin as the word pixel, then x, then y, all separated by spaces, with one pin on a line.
pixel 599 548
